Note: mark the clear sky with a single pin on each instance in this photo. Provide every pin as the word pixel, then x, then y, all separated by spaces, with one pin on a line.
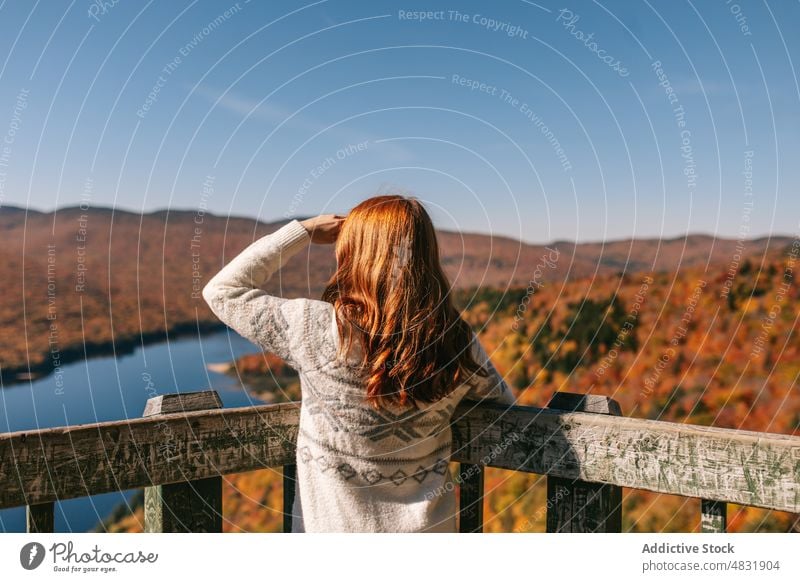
pixel 541 121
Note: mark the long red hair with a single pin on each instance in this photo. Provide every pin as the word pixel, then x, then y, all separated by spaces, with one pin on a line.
pixel 391 294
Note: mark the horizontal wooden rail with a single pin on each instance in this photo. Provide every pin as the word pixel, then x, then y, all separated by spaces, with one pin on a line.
pixel 737 466
pixel 749 468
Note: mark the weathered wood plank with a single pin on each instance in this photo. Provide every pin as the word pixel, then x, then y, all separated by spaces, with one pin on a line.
pixel 470 498
pixel 289 479
pixel 193 506
pixel 713 516
pixel 182 402
pixel 40 518
pixel 744 467
pixel 572 402
pixel 579 506
pixel 80 460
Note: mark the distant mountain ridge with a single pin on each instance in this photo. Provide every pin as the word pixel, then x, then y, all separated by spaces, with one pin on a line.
pixel 144 272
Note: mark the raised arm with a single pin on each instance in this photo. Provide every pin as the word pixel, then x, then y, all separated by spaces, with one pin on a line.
pixel 492 388
pixel 234 295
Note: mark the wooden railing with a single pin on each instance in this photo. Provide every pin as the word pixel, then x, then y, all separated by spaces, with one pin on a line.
pixel 184 443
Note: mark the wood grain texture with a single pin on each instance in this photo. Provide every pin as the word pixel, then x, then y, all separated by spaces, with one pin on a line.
pixel 579 506
pixel 470 498
pixel 40 518
pixel 289 479
pixel 182 402
pixel 713 516
pixel 192 506
pixel 744 467
pixel 80 460
pixel 572 402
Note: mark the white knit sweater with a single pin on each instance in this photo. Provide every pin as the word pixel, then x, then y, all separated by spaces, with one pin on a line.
pixel 358 469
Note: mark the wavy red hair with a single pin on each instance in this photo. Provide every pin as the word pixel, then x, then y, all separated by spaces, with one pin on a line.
pixel 391 294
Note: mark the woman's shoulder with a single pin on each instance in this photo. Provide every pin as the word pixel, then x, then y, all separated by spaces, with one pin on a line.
pixel 322 319
pixel 302 309
pixel 315 329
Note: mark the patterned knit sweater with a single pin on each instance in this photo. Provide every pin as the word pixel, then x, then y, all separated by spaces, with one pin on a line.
pixel 358 469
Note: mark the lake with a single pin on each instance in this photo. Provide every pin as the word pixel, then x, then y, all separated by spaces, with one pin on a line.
pixel 109 388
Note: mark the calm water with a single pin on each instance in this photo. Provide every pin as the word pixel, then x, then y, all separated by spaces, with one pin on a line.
pixel 111 388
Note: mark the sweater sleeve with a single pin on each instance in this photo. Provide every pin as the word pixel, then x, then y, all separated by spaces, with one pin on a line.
pixel 234 295
pixel 491 388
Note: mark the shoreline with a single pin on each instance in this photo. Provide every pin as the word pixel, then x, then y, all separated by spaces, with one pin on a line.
pixel 122 345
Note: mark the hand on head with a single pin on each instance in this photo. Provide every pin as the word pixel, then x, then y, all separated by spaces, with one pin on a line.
pixel 324 228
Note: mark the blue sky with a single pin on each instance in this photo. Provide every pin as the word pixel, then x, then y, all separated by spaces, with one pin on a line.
pixel 541 121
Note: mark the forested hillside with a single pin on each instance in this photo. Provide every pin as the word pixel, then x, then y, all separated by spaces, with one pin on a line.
pixel 77 281
pixel 712 346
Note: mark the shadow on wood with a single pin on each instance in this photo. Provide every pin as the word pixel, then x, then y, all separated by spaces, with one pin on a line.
pixel 193 506
pixel 579 506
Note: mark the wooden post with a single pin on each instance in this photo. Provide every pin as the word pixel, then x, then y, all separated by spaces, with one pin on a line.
pixel 574 505
pixel 289 479
pixel 470 498
pixel 192 506
pixel 713 516
pixel 39 518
